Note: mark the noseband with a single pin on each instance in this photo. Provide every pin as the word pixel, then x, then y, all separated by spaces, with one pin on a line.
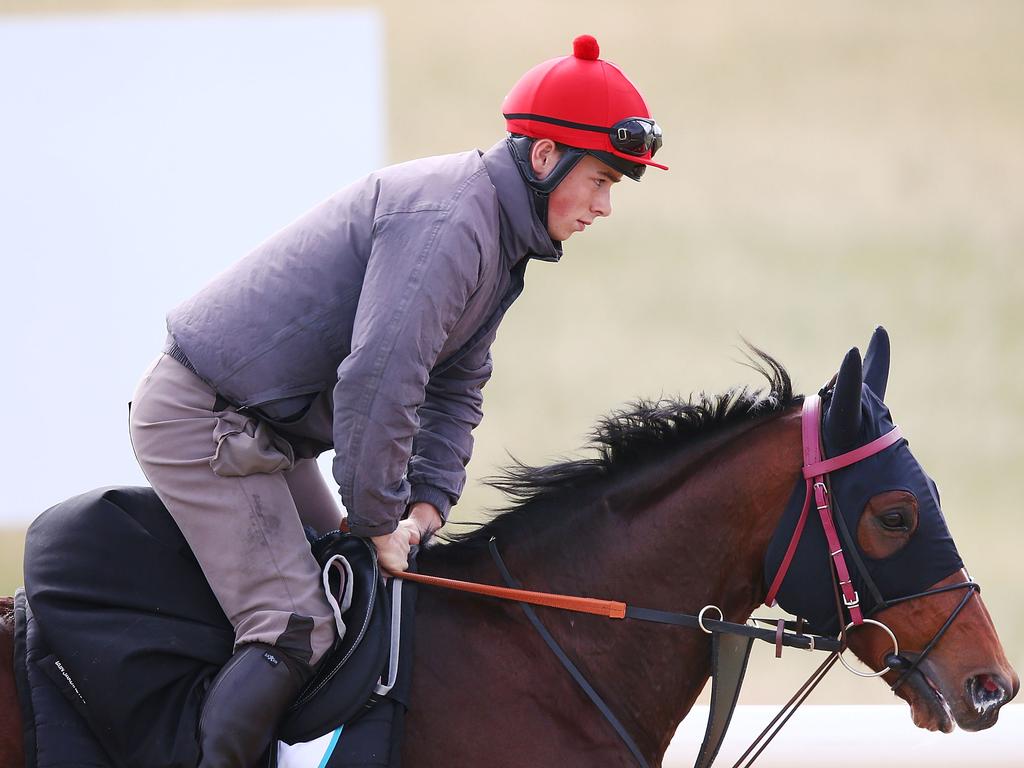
pixel 816 472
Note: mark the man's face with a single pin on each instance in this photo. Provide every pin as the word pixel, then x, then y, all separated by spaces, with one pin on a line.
pixel 583 195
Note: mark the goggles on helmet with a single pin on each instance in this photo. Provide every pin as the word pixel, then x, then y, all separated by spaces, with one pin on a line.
pixel 633 136
pixel 636 136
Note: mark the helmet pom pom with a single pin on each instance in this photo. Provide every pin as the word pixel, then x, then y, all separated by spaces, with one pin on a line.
pixel 586 47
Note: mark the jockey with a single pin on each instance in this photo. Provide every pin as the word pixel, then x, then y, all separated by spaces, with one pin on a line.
pixel 364 327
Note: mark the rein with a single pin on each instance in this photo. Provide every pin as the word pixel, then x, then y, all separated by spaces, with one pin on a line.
pixel 612 609
pixel 731 642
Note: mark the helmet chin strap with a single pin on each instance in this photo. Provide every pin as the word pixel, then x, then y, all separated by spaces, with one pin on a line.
pixel 520 147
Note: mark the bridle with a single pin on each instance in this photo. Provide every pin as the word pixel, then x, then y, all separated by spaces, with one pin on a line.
pixel 731 642
pixel 816 471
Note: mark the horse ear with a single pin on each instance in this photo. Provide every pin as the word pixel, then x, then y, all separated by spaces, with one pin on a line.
pixel 876 362
pixel 842 420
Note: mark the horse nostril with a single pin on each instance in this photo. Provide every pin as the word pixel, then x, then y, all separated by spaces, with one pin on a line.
pixel 987 692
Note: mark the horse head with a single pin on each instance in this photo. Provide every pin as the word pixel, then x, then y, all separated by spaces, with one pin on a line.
pixel 908 575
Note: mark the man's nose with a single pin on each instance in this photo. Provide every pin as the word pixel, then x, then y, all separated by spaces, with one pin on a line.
pixel 602 205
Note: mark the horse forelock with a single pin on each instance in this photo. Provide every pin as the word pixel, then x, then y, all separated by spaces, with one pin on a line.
pixel 624 441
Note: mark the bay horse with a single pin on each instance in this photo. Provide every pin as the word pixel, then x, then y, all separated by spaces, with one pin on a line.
pixel 678 510
pixel 11 753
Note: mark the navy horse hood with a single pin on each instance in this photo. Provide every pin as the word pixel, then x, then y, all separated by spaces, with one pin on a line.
pixel 854 416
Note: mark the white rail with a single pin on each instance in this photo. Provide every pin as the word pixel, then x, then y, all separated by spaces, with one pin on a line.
pixel 841 736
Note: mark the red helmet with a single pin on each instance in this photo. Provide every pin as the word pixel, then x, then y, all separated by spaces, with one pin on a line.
pixel 587 103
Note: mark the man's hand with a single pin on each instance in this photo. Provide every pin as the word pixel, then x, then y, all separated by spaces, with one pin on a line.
pixel 393 548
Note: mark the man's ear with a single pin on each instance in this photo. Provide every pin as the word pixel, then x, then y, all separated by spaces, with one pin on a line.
pixel 544 156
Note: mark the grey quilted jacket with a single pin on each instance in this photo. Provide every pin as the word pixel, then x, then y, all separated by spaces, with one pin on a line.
pixel 377 307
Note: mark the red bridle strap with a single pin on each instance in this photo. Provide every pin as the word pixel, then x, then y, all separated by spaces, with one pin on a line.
pixel 852 457
pixel 815 470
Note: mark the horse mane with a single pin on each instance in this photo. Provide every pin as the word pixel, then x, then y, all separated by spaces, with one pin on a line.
pixel 623 440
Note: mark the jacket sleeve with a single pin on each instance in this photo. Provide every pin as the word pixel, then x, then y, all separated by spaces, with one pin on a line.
pixel 422 269
pixel 444 443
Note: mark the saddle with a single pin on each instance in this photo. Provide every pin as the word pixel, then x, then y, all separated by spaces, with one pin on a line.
pixel 118 636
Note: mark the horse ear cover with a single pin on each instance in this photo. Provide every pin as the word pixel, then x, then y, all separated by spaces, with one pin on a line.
pixel 876 363
pixel 842 420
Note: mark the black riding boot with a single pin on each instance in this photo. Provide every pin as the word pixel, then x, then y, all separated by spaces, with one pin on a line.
pixel 244 704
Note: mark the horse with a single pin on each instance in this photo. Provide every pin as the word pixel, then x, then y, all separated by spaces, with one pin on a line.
pixel 11 751
pixel 680 508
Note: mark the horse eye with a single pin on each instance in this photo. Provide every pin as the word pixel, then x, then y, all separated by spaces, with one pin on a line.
pixel 893 521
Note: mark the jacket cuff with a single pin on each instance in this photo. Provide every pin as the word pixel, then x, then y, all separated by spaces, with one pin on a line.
pixel 432 495
pixel 366 530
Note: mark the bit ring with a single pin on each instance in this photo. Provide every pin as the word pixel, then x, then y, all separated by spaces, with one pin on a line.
pixel 895 646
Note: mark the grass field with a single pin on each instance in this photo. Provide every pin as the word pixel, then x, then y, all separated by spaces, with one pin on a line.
pixel 12 547
pixel 834 166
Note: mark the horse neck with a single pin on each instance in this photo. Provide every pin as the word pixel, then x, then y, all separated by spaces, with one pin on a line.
pixel 685 532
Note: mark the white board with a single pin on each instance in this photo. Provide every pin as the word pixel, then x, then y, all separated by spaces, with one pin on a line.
pixel 854 736
pixel 139 155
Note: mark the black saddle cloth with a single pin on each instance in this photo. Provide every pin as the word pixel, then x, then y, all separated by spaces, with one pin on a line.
pixel 124 609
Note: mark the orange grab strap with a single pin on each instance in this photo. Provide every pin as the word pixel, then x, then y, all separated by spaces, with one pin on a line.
pixel 607 608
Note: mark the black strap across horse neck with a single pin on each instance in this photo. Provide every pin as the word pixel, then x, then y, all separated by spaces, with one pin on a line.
pixel 571 668
pixel 731 644
pixel 730 651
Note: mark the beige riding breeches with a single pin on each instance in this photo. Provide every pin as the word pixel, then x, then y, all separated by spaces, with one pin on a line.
pixel 240 498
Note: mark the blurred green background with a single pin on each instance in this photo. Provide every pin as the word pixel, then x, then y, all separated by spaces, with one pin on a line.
pixel 834 166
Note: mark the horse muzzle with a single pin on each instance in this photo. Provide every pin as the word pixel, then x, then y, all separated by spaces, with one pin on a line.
pixel 972 701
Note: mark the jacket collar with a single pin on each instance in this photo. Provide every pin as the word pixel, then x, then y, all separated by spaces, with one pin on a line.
pixel 522 233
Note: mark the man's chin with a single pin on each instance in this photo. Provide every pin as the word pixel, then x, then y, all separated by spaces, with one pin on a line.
pixel 565 231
